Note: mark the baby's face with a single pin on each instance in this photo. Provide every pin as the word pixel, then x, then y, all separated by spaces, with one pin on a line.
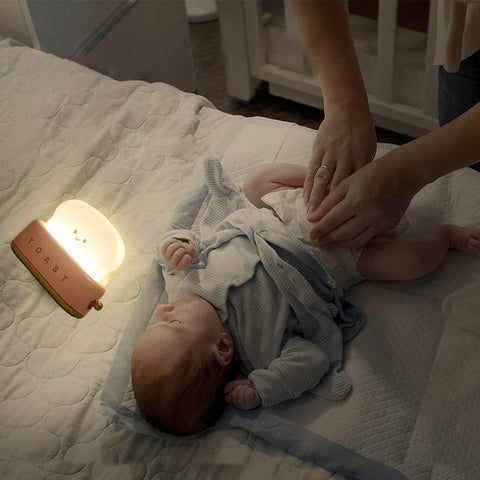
pixel 189 323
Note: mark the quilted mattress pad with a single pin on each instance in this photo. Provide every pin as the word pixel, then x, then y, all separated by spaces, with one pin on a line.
pixel 130 149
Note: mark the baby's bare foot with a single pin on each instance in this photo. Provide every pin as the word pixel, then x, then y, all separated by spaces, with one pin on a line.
pixel 465 239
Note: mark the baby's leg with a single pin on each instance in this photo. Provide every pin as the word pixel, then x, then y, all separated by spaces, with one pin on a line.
pixel 270 177
pixel 387 259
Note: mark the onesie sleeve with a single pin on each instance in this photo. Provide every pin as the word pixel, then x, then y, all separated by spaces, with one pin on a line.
pixel 186 236
pixel 299 368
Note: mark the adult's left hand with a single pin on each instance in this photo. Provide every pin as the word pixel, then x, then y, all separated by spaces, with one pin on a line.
pixel 345 142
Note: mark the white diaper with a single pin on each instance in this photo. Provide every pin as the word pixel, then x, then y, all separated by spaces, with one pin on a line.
pixel 340 263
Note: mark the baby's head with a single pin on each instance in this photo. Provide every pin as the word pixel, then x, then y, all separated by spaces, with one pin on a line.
pixel 180 367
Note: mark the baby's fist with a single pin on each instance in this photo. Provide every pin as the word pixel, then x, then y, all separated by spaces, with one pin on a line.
pixel 178 253
pixel 242 394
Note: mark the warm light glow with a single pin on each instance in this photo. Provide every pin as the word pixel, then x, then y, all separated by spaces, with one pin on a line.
pixel 88 237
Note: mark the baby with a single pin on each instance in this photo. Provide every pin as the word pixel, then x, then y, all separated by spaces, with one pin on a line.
pixel 240 300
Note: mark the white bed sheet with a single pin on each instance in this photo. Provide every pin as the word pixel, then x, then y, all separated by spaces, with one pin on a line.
pixel 129 149
pixel 415 403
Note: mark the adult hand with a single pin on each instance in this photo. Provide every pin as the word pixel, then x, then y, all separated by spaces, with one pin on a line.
pixel 345 142
pixel 369 202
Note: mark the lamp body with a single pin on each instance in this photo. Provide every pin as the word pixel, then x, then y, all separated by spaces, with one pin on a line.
pixel 72 255
pixel 68 283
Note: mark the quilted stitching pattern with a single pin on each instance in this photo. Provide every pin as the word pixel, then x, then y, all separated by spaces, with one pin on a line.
pixel 127 149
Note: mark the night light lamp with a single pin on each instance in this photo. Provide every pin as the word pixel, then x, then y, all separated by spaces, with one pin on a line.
pixel 72 255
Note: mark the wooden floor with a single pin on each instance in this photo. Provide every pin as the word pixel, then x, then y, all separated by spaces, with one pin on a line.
pixel 209 70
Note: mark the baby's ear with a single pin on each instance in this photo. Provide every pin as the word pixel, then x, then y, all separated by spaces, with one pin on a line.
pixel 223 349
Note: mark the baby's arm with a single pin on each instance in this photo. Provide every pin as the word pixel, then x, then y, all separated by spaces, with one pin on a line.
pixel 299 368
pixel 271 177
pixel 178 253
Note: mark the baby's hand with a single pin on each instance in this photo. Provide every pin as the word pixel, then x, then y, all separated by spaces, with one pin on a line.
pixel 242 394
pixel 178 253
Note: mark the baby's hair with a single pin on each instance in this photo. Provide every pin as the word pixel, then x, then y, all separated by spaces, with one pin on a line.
pixel 184 400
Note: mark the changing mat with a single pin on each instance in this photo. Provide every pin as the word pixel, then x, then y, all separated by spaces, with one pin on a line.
pixel 130 149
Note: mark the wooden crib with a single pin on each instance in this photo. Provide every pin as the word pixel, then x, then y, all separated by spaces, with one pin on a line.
pixel 394 41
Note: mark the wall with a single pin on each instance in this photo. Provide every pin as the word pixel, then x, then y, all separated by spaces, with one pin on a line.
pixel 125 39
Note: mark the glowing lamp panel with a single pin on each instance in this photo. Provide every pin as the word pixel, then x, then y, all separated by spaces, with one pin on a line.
pixel 88 237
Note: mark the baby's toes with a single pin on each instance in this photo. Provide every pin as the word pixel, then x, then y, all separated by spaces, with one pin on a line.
pixel 473 246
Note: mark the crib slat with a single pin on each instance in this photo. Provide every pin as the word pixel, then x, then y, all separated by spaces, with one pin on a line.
pixel 29 25
pixel 430 81
pixel 256 35
pixel 387 28
pixel 291 24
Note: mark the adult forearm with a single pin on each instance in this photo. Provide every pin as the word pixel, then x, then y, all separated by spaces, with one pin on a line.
pixel 326 31
pixel 453 146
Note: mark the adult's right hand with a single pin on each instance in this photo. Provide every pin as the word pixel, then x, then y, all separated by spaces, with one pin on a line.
pixel 369 202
